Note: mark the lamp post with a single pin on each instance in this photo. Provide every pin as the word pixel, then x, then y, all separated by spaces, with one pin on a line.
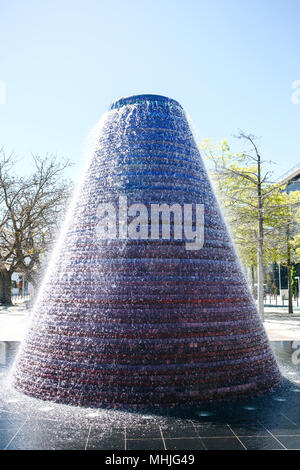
pixel 297 277
pixel 279 276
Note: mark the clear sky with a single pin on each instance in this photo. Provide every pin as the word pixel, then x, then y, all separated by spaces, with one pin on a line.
pixel 230 63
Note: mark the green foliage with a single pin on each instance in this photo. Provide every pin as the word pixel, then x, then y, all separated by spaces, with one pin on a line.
pixel 235 179
pixel 294 283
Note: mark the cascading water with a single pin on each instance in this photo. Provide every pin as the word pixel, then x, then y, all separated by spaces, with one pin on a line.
pixel 140 321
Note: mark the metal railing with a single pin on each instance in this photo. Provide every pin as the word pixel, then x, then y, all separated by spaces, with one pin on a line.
pixel 20 298
pixel 280 300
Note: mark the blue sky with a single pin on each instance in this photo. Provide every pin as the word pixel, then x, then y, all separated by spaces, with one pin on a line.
pixel 230 63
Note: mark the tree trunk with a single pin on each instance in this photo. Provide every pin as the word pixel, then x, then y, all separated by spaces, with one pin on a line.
pixel 290 294
pixel 260 279
pixel 260 240
pixel 252 281
pixel 6 291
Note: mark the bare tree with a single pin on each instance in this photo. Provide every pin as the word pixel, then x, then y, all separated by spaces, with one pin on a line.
pixel 30 210
pixel 257 180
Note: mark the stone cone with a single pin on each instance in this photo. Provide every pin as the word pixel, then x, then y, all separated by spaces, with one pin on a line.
pixel 129 322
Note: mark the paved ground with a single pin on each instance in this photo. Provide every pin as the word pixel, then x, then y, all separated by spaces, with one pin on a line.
pixel 270 422
pixel 13 322
pixel 280 326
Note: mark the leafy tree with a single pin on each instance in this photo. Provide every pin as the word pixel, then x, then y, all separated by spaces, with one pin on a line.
pixel 285 236
pixel 253 205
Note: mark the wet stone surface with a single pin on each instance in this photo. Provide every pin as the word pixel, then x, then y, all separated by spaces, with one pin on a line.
pixel 270 422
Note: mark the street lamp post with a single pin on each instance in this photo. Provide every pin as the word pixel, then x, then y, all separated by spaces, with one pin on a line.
pixel 297 277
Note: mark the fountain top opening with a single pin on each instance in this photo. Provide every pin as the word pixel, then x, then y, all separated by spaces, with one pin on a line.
pixel 139 98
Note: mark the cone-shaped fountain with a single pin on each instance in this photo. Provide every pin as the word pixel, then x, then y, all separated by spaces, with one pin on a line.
pixel 135 309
